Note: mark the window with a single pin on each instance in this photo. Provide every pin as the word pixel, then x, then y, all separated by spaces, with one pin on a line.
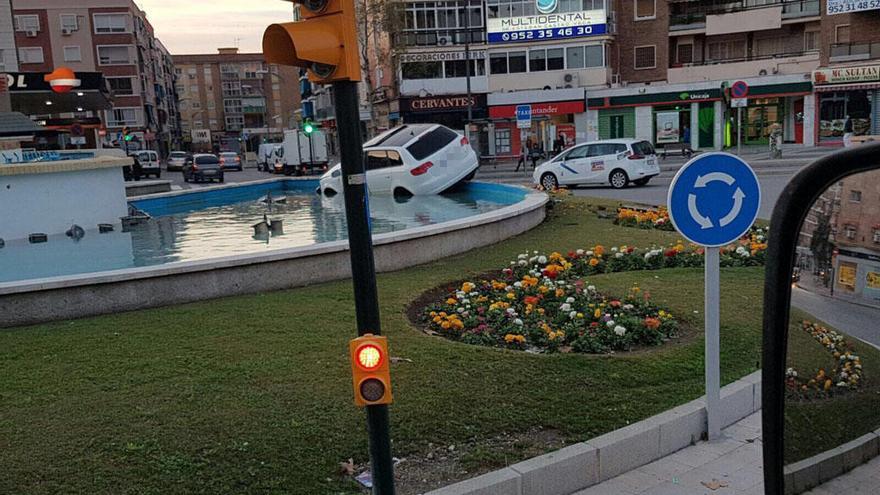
pixel 377 159
pixel 111 23
pixel 811 40
pixel 537 60
pixel 230 106
pixel 841 33
pixel 69 22
pixel 643 148
pixel 431 142
pixel 27 23
pixel 422 70
pixel 595 55
pixel 196 105
pixel 119 117
pixel 876 236
pixel 575 153
pixel 502 141
pixel 114 55
pixel 645 9
pixel 850 231
pixel 192 70
pixel 727 50
pixel 855 196
pixel 72 54
pixel 555 59
pixel 212 123
pixel 574 57
pixel 769 46
pixel 644 57
pixel 516 62
pixel 685 53
pixel 30 55
pixel 211 104
pixel 458 68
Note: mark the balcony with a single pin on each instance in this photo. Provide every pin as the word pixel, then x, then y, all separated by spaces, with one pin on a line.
pixel 755 66
pixel 253 105
pixel 845 52
pixel 692 15
pixel 440 37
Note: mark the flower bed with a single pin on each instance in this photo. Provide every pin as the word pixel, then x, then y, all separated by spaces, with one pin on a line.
pixel 846 374
pixel 644 219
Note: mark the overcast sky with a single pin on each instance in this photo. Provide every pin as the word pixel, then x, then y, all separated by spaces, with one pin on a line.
pixel 202 26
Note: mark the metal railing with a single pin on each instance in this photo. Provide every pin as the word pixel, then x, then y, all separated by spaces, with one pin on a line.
pixel 855 51
pixel 751 58
pixel 696 14
pixel 439 37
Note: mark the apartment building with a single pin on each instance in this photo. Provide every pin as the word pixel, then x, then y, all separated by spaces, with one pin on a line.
pixel 8 57
pixel 110 37
pixel 231 98
pixel 857 241
pixel 598 69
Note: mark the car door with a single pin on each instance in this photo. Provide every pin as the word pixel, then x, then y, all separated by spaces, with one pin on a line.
pixel 600 161
pixel 572 165
pixel 378 171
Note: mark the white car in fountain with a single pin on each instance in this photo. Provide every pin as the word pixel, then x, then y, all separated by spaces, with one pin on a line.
pixel 612 161
pixel 413 159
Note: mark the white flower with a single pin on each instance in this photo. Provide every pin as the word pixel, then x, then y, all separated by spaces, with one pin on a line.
pixel 760 238
pixel 841 384
pixel 610 323
pixel 648 255
pixel 573 315
pixel 522 263
pixel 508 288
pixel 591 288
pixel 517 284
pixel 618 255
pixel 518 322
pixel 614 249
pixel 542 260
pixel 791 372
pixel 569 300
pixel 565 307
pixel 474 293
pixel 511 311
pixel 589 253
pixel 740 250
pixel 580 252
pixel 628 307
pixel 535 252
pixel 523 257
pixel 460 310
pixel 533 259
pixel 465 301
pixel 512 263
pixel 619 330
pixel 460 294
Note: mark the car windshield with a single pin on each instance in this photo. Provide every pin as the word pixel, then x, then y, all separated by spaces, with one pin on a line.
pixel 178 154
pixel 431 143
pixel 643 148
pixel 207 160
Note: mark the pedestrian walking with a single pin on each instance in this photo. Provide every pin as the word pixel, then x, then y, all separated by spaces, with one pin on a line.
pixel 523 150
pixel 847 132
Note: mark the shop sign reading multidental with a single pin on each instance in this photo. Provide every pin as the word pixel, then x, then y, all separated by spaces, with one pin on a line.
pixel 546 26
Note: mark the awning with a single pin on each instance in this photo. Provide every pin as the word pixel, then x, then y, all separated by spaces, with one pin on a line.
pixel 846 87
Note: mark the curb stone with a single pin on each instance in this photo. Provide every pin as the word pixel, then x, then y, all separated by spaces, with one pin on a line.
pixel 585 464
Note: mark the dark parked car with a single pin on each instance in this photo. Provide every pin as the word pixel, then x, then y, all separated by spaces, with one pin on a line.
pixel 201 168
pixel 230 161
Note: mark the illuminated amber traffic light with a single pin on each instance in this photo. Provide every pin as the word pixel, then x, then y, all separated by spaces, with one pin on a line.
pixel 325 41
pixel 371 376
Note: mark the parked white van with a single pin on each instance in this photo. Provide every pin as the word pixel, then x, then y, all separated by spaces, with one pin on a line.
pixel 266 156
pixel 149 161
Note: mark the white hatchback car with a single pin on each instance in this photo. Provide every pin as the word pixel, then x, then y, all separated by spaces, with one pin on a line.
pixel 412 159
pixel 614 161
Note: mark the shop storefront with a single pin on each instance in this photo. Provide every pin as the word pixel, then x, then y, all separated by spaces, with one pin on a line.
pixel 857 274
pixel 449 110
pixel 663 118
pixel 549 121
pixel 771 106
pixel 842 92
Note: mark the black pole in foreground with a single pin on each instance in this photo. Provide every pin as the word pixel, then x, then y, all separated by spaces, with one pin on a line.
pixel 363 270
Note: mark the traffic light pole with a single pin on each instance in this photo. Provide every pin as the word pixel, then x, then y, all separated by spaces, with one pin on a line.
pixel 363 270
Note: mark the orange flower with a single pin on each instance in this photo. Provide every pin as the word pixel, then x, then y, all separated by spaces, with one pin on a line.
pixel 599 250
pixel 594 261
pixel 652 323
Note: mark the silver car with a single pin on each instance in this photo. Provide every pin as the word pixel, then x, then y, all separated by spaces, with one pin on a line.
pixel 176 160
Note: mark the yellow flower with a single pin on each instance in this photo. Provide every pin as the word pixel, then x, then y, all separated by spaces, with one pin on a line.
pixel 560 292
pixel 511 295
pixel 543 289
pixel 540 311
pixel 467 287
pixel 580 315
pixel 445 325
pixel 451 300
pixel 597 313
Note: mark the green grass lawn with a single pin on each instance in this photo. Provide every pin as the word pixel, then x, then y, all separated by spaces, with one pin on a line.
pixel 814 426
pixel 253 394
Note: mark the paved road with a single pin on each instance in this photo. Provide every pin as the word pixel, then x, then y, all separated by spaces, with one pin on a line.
pixel 854 319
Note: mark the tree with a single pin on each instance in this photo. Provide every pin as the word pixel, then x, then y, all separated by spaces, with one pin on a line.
pixel 820 243
pixel 378 21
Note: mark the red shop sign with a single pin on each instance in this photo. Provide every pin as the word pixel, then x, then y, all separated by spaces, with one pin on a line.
pixel 538 109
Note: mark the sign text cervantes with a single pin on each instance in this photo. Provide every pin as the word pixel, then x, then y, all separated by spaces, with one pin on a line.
pixel 441 103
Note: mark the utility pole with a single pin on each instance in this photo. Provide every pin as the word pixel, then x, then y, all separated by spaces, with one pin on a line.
pixel 467 58
pixel 363 270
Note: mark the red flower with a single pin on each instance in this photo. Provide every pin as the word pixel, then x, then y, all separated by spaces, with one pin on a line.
pixel 572 254
pixel 533 300
pixel 594 324
pixel 670 253
pixel 614 304
pixel 630 249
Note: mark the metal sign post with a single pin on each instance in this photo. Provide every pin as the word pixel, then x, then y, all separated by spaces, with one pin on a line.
pixel 363 269
pixel 713 200
pixel 739 121
pixel 738 93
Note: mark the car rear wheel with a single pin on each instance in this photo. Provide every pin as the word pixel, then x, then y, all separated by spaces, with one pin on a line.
pixel 549 182
pixel 618 179
pixel 641 182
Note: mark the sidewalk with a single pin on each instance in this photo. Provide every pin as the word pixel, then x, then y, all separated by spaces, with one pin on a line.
pixel 731 465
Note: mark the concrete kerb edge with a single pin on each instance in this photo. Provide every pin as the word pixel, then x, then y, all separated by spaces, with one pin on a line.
pixel 581 463
pixel 813 471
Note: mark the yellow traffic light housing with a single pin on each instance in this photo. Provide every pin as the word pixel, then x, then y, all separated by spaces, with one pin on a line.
pixel 325 41
pixel 370 370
